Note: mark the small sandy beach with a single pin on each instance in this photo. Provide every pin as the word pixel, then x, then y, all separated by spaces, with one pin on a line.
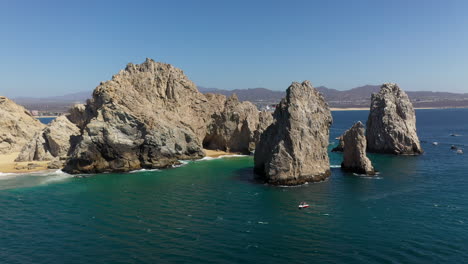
pixel 217 153
pixel 8 164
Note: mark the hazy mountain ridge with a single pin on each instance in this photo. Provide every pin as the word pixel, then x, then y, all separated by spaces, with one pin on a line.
pixel 355 97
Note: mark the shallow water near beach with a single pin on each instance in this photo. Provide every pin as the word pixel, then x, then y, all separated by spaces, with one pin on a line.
pixel 211 211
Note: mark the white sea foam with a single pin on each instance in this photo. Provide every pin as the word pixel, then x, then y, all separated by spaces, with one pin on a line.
pixel 56 176
pixel 143 170
pixel 4 176
pixel 222 157
pixel 182 163
pixel 365 176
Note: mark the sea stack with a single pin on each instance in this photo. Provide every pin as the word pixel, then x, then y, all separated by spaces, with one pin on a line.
pixel 354 154
pixel 391 126
pixel 17 126
pixel 293 150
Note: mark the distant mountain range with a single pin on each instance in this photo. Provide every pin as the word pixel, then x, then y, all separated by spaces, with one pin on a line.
pixel 356 97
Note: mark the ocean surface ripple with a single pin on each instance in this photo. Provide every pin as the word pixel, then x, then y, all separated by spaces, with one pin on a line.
pixel 214 212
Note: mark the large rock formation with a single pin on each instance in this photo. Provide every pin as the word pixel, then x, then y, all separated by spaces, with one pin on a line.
pixel 148 116
pixel 354 154
pixel 17 126
pixel 293 150
pixel 54 141
pixel 236 127
pixel 151 116
pixel 391 126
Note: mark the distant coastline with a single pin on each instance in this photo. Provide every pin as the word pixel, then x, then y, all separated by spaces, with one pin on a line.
pixel 367 108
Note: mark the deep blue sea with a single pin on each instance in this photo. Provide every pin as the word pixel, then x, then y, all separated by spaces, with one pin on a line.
pixel 210 211
pixel 46 120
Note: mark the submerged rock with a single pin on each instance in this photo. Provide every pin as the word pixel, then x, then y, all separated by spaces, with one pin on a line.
pixel 391 126
pixel 17 126
pixel 340 146
pixel 354 154
pixel 54 141
pixel 293 150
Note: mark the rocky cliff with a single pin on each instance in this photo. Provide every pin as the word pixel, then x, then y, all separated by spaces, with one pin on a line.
pixel 54 141
pixel 354 154
pixel 235 127
pixel 293 150
pixel 391 126
pixel 17 126
pixel 151 116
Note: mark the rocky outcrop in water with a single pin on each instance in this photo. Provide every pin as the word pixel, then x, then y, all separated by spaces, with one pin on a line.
pixel 17 126
pixel 235 127
pixel 54 141
pixel 391 126
pixel 340 146
pixel 354 154
pixel 151 116
pixel 148 116
pixel 293 150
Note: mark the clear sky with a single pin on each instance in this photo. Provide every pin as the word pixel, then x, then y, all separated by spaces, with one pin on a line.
pixel 58 47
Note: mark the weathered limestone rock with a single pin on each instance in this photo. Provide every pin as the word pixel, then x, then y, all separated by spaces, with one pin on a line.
pixel 293 150
pixel 17 126
pixel 53 141
pixel 233 128
pixel 391 126
pixel 265 119
pixel 354 154
pixel 151 116
pixel 148 116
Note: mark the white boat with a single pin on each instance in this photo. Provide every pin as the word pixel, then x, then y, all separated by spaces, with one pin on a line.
pixel 303 205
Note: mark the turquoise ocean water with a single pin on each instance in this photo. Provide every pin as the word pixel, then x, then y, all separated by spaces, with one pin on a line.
pixel 210 211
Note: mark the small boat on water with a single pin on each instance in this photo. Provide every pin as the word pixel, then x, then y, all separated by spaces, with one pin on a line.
pixel 303 205
pixel 435 143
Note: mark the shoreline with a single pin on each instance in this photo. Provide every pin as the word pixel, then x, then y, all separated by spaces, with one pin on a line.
pixel 218 153
pixel 8 164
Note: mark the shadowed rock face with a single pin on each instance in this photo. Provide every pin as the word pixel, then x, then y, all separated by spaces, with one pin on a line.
pixel 354 154
pixel 54 141
pixel 17 126
pixel 293 150
pixel 391 126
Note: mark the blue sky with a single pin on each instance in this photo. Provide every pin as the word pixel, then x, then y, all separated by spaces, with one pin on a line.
pixel 57 47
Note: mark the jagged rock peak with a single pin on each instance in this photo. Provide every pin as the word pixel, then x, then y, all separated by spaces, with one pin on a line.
pixel 293 150
pixel 354 153
pixel 391 125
